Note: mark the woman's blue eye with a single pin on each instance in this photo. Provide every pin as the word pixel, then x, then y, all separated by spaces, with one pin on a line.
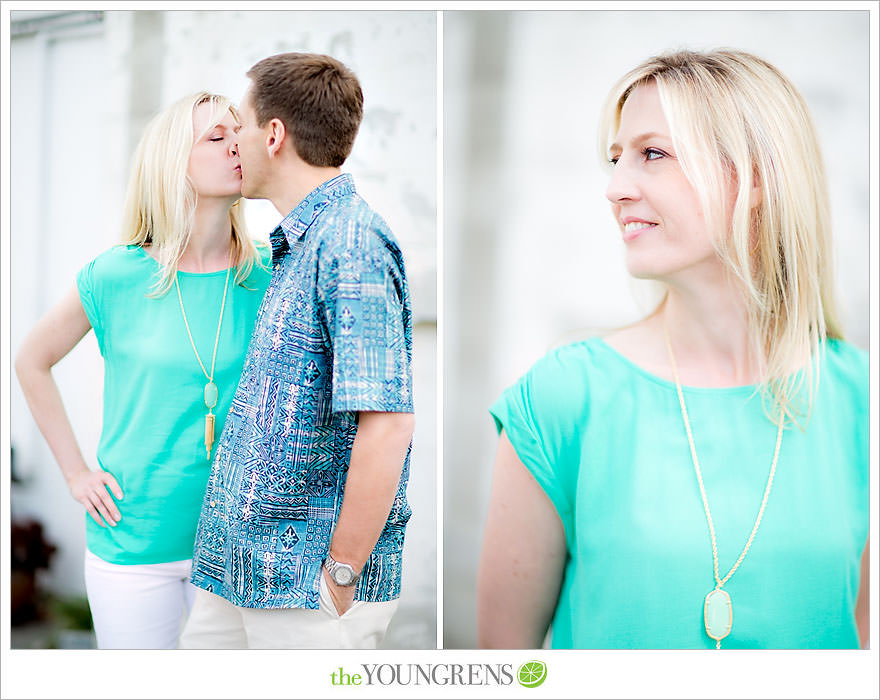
pixel 648 153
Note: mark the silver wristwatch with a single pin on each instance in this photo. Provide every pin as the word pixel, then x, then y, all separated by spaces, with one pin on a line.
pixel 342 574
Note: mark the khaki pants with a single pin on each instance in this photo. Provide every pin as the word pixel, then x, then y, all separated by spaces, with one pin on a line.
pixel 215 623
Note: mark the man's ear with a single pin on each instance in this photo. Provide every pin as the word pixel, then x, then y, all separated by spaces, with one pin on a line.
pixel 275 136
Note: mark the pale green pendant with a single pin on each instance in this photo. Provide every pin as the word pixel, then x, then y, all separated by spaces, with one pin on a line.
pixel 718 614
pixel 210 395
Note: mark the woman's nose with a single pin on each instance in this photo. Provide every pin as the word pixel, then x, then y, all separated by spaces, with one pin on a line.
pixel 233 147
pixel 623 184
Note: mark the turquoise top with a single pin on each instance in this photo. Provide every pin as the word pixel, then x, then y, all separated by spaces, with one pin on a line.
pixel 153 436
pixel 606 441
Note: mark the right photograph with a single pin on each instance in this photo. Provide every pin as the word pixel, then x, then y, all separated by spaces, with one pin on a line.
pixel 656 325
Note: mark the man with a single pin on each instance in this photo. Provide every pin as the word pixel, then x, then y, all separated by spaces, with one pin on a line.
pixel 300 538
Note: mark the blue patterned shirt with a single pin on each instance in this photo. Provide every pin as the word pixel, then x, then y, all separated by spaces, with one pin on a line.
pixel 333 337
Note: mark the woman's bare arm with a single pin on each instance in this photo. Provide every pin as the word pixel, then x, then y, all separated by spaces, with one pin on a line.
pixel 523 558
pixel 55 335
pixel 862 619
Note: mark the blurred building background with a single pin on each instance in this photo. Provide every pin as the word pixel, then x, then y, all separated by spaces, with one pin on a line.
pixel 532 255
pixel 83 85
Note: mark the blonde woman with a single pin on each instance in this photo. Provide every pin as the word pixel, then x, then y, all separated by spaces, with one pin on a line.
pixel 698 479
pixel 173 308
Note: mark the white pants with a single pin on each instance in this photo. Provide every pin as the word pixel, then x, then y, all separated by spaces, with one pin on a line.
pixel 215 623
pixel 138 606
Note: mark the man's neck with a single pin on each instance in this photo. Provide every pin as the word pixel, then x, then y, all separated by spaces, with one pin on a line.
pixel 295 181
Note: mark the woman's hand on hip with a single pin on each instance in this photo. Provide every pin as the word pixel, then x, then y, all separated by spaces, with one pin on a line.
pixel 92 489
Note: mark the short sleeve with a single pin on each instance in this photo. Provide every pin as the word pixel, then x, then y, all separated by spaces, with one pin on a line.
pixel 367 311
pixel 845 379
pixel 89 290
pixel 541 415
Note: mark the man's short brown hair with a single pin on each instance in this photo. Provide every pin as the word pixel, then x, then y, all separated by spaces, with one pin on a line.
pixel 317 98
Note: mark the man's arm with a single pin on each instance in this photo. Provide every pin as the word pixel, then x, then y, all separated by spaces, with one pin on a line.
pixel 377 458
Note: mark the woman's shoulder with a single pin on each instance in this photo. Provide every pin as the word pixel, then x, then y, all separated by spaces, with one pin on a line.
pixel 119 262
pixel 558 394
pixel 564 377
pixel 845 352
pixel 122 251
pixel 581 358
pixel 846 364
pixel 261 270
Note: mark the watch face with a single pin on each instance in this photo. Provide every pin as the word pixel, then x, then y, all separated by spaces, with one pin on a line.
pixel 343 575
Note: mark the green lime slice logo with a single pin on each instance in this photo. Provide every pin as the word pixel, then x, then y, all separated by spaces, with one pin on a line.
pixel 532 673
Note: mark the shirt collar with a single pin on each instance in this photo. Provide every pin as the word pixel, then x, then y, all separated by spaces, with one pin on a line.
pixel 294 226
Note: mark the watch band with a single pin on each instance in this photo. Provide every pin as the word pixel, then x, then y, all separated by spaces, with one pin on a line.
pixel 342 574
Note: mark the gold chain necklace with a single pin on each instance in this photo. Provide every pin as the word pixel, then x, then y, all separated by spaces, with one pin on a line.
pixel 717 607
pixel 211 392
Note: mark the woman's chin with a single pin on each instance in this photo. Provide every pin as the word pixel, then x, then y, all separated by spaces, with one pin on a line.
pixel 648 265
pixel 642 270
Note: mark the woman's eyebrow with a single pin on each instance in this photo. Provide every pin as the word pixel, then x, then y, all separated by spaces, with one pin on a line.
pixel 210 130
pixel 639 138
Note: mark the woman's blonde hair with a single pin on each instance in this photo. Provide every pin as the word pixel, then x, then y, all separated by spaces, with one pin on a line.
pixel 160 201
pixel 737 122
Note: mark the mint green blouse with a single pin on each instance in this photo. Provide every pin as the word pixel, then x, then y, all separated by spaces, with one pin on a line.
pixel 153 435
pixel 606 442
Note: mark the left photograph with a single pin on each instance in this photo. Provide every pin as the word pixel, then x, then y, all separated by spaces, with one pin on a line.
pixel 223 329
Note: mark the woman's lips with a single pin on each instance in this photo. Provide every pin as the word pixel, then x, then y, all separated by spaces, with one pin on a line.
pixel 634 228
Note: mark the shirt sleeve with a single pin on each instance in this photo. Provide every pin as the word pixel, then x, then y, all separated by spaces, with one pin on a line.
pixel 367 311
pixel 89 288
pixel 540 416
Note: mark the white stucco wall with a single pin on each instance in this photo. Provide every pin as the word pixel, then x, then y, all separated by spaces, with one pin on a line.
pixel 79 98
pixel 533 257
